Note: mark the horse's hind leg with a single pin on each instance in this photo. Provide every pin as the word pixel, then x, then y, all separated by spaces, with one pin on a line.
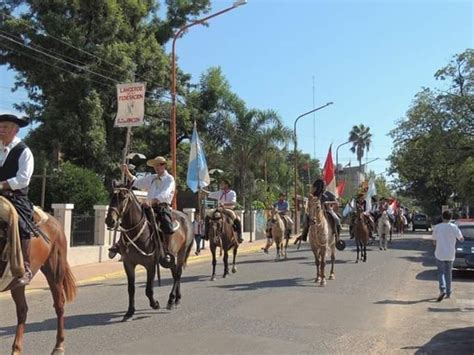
pixel 322 253
pixel 173 300
pixel 357 245
pixel 18 295
pixel 130 271
pixel 234 268
pixel 56 286
pixel 332 275
pixel 278 247
pixel 365 253
pixel 287 239
pixel 150 277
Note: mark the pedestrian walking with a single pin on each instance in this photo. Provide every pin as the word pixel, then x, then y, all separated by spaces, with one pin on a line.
pixel 198 230
pixel 445 235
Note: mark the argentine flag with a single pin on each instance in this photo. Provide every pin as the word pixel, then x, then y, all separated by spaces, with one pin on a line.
pixel 372 191
pixel 198 175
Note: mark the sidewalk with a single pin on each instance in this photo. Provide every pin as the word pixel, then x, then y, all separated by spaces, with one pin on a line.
pixel 97 272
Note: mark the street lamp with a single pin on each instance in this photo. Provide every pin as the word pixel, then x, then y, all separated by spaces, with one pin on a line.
pixel 173 82
pixel 296 158
pixel 337 159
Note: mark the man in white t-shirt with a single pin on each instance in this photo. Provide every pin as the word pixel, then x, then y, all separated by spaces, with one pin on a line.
pixel 227 198
pixel 444 237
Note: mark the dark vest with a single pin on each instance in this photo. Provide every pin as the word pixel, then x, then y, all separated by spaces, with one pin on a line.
pixel 10 167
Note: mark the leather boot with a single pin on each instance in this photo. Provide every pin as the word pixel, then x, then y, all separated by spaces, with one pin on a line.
pixel 25 249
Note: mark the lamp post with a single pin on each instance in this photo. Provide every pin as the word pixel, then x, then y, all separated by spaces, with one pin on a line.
pixel 173 82
pixel 296 158
pixel 337 156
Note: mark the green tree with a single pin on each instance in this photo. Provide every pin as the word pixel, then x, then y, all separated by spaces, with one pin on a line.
pixel 361 139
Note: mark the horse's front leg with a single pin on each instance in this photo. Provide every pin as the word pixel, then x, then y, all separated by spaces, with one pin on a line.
pixel 322 253
pixel 278 247
pixel 150 278
pixel 357 245
pixel 226 263
pixel 287 239
pixel 214 261
pixel 316 262
pixel 365 253
pixel 234 268
pixel 18 295
pixel 130 271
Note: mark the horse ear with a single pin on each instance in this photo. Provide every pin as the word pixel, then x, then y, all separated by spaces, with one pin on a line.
pixel 114 184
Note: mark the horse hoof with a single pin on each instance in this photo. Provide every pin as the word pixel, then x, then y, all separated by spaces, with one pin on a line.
pixel 323 283
pixel 234 270
pixel 127 317
pixel 277 259
pixel 357 261
pixel 155 305
pixel 332 277
pixel 169 306
pixel 213 278
pixel 224 276
pixel 365 260
pixel 58 351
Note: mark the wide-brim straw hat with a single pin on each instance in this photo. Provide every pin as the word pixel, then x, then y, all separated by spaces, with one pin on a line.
pixel 156 161
pixel 12 118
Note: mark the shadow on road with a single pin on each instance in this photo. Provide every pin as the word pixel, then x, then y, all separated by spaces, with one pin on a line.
pixel 79 321
pixel 450 310
pixel 452 341
pixel 407 302
pixel 432 275
pixel 294 282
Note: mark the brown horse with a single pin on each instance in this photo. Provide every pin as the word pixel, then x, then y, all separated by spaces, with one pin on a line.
pixel 50 256
pixel 140 246
pixel 361 234
pixel 279 234
pixel 400 220
pixel 221 234
pixel 322 238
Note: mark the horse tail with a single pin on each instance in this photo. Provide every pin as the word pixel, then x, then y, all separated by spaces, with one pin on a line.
pixel 158 273
pixel 69 284
pixel 188 252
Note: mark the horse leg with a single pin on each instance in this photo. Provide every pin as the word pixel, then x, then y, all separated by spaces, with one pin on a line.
pixel 322 252
pixel 234 269
pixel 278 246
pixel 332 275
pixel 18 295
pixel 287 239
pixel 176 272
pixel 214 261
pixel 357 245
pixel 381 241
pixel 179 272
pixel 316 262
pixel 150 277
pixel 130 271
pixel 56 288
pixel 365 252
pixel 226 263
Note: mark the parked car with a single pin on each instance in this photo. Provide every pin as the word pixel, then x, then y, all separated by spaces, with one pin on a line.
pixel 420 221
pixel 465 250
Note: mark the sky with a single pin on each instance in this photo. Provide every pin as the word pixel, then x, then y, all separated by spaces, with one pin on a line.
pixel 368 57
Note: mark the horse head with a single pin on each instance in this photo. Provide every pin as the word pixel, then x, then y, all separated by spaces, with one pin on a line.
pixel 216 224
pixel 274 215
pixel 119 205
pixel 315 210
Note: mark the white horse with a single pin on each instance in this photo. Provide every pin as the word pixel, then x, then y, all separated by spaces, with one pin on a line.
pixel 383 229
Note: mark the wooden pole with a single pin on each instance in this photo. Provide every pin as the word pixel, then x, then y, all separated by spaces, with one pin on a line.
pixel 125 149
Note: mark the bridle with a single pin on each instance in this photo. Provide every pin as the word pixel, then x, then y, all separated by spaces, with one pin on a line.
pixel 143 222
pixel 217 222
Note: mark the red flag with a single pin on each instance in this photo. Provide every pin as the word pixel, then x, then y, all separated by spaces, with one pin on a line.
pixel 341 187
pixel 329 176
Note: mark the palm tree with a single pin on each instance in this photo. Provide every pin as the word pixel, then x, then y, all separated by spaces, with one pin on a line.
pixel 361 139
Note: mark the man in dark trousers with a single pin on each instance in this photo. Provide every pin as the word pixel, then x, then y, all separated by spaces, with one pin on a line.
pixel 16 169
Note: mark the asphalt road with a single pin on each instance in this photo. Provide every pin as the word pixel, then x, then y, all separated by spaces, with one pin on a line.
pixel 383 306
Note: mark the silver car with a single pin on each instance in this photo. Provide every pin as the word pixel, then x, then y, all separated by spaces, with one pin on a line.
pixel 465 250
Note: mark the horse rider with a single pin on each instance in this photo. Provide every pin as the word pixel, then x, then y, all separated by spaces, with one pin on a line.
pixel 283 208
pixel 328 199
pixel 160 189
pixel 226 198
pixel 362 203
pixel 16 169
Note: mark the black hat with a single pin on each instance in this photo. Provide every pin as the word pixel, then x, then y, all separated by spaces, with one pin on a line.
pixel 12 118
pixel 319 186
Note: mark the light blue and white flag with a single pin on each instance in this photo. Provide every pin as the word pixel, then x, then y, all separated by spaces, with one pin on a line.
pixel 372 191
pixel 347 210
pixel 198 175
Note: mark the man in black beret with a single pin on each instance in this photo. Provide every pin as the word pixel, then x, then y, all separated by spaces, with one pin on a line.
pixel 16 169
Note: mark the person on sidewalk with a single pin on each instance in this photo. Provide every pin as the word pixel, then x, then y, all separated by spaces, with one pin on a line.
pixel 160 189
pixel 227 198
pixel 198 229
pixel 16 169
pixel 445 235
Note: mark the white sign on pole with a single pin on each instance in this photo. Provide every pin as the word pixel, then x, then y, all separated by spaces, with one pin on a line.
pixel 130 105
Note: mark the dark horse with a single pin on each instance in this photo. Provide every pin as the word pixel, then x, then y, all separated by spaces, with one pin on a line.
pixel 49 255
pixel 139 245
pixel 221 234
pixel 361 234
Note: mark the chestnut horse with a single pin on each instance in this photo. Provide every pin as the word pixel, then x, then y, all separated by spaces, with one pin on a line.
pixel 139 246
pixel 221 234
pixel 50 256
pixel 279 234
pixel 361 234
pixel 322 239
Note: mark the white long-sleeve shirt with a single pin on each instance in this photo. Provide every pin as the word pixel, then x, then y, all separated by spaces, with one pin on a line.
pixel 227 198
pixel 157 187
pixel 26 165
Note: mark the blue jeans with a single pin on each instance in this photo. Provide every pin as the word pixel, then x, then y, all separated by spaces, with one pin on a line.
pixel 445 275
